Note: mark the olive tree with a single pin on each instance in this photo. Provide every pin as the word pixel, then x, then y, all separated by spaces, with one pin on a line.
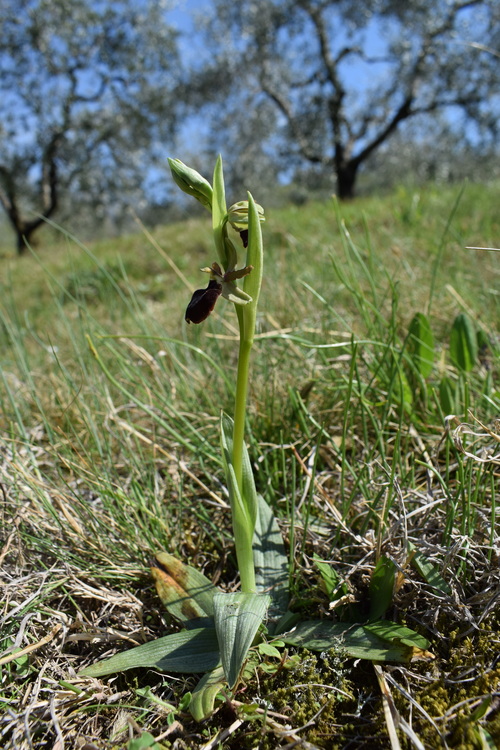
pixel 87 92
pixel 344 76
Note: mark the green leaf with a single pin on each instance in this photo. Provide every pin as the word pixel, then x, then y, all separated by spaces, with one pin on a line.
pixel 185 591
pixel 401 389
pixel 146 740
pixel 270 559
pixel 484 739
pixel 333 585
pixel 203 698
pixel 267 649
pixel 463 343
pixel 427 570
pixel 381 587
pixel 447 395
pixel 246 502
pixel 394 633
pixel 237 619
pixel 190 651
pixel 421 344
pixel 381 642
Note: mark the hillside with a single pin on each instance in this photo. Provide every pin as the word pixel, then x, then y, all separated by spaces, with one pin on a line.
pixel 373 432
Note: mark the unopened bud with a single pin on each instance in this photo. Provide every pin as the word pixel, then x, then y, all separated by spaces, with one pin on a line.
pixel 238 215
pixel 191 182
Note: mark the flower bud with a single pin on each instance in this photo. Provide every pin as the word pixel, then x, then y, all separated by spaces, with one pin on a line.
pixel 238 215
pixel 191 182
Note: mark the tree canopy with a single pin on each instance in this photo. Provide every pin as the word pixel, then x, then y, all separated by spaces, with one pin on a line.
pixel 343 76
pixel 86 90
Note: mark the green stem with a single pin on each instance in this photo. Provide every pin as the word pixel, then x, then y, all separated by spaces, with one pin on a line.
pixel 244 548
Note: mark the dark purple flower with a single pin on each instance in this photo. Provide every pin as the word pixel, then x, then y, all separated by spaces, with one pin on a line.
pixel 203 302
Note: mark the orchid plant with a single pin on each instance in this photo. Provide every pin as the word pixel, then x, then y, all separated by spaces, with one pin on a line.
pixel 222 632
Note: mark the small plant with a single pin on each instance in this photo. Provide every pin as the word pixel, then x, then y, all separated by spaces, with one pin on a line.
pixel 225 633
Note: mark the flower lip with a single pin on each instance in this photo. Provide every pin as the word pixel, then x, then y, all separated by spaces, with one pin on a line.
pixel 203 302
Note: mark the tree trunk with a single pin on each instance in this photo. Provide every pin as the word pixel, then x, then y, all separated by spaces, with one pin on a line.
pixel 9 196
pixel 20 243
pixel 346 180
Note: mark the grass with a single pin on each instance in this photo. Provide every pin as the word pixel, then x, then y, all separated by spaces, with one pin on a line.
pixel 109 409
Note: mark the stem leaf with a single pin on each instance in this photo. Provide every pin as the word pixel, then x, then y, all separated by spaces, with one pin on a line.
pixel 249 493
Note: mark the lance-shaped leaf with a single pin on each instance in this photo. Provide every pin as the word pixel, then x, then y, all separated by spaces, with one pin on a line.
pixel 190 651
pixel 205 693
pixel 237 619
pixel 385 641
pixel 463 343
pixel 382 587
pixel 186 593
pixel 427 570
pixel 421 344
pixel 270 560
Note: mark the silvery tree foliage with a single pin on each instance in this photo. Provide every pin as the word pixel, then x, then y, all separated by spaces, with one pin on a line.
pixel 87 92
pixel 343 77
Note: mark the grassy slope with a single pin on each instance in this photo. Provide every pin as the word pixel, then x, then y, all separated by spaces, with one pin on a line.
pixel 109 451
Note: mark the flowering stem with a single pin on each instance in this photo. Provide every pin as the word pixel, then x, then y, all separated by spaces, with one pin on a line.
pixel 246 320
pixel 240 403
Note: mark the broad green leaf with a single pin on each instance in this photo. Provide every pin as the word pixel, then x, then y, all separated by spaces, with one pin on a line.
pixel 358 641
pixel 190 651
pixel 381 587
pixel 270 559
pixel 427 570
pixel 237 619
pixel 392 632
pixel 421 344
pixel 203 698
pixel 267 649
pixel 447 395
pixel 463 343
pixel 185 591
